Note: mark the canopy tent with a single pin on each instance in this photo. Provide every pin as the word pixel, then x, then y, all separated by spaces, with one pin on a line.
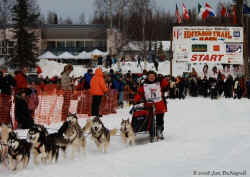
pixel 83 55
pixel 97 52
pixel 47 55
pixel 66 55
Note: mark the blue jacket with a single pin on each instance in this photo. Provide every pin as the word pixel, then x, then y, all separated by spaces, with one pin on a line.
pixel 88 78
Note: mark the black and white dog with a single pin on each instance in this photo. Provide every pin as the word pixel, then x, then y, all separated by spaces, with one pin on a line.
pixel 44 149
pixel 18 152
pixel 74 134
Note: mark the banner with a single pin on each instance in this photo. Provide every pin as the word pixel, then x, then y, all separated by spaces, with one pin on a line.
pixel 203 44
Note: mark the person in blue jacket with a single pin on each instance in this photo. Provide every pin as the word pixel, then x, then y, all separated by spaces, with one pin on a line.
pixel 88 76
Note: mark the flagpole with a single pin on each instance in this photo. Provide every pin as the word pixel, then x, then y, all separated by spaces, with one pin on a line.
pixel 171 52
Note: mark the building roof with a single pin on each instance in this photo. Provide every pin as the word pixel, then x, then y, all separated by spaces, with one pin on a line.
pixel 74 32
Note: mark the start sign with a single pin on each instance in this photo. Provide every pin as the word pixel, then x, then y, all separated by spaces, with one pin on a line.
pixel 208 44
pixel 206 58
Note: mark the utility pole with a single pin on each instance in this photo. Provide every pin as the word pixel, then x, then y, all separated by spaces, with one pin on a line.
pixel 244 23
pixel 110 31
pixel 143 32
pixel 111 14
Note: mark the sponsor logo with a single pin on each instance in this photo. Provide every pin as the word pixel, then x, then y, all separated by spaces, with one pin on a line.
pixel 177 34
pixel 236 34
pixel 216 48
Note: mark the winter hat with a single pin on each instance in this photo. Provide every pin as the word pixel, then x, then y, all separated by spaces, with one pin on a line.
pixel 67 68
pixel 151 72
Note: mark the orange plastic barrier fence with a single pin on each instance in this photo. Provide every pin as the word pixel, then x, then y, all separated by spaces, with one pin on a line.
pixel 5 107
pixel 51 101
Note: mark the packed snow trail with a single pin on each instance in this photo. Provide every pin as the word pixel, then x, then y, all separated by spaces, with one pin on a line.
pixel 201 135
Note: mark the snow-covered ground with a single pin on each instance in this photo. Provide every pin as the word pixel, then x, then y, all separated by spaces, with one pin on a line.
pixel 53 68
pixel 201 135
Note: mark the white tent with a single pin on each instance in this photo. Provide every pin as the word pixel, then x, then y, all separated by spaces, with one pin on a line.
pixel 47 55
pixel 66 55
pixel 83 55
pixel 97 52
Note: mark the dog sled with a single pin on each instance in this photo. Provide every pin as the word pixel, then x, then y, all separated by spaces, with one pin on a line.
pixel 144 120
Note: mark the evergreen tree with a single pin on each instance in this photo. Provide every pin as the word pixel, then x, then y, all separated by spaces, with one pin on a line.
pixel 26 22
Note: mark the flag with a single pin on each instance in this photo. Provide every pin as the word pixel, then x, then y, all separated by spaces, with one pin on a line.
pixel 246 9
pixel 229 13
pixel 234 15
pixel 185 12
pixel 199 8
pixel 207 11
pixel 177 14
pixel 223 11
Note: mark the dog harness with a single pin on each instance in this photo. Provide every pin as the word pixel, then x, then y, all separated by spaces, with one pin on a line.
pixel 13 153
pixel 38 148
pixel 125 132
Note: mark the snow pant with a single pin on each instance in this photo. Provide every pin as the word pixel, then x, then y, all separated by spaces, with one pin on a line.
pixel 248 92
pixel 139 65
pixel 228 92
pixel 5 105
pixel 120 98
pixel 96 101
pixel 238 93
pixel 214 93
pixel 172 93
pixel 181 93
pixel 66 104
pixel 159 122
pixel 23 114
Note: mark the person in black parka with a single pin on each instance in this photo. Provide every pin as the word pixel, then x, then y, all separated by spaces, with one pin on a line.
pixel 22 113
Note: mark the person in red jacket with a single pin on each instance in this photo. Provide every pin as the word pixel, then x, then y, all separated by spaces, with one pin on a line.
pixel 152 92
pixel 23 114
pixel 21 80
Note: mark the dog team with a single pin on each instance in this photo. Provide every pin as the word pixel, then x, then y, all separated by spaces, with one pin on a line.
pixel 45 147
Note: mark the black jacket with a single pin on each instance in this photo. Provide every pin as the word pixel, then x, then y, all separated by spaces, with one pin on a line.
pixel 6 83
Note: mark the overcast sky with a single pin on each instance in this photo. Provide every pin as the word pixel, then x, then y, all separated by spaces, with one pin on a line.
pixel 73 8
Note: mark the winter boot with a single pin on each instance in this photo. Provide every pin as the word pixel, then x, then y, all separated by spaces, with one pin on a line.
pixel 160 133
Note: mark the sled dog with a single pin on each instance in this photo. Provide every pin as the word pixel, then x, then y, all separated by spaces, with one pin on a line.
pixel 18 152
pixel 74 134
pixel 43 148
pixel 127 132
pixel 100 134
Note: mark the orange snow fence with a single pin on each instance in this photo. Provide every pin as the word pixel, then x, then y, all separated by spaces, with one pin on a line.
pixel 51 103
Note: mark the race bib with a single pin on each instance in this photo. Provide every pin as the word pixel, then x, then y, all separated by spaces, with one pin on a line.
pixel 152 92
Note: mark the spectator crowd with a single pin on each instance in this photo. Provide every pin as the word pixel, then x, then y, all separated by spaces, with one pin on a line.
pixel 23 91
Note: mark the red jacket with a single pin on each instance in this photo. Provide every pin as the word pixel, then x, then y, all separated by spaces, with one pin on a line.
pixel 21 81
pixel 160 106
